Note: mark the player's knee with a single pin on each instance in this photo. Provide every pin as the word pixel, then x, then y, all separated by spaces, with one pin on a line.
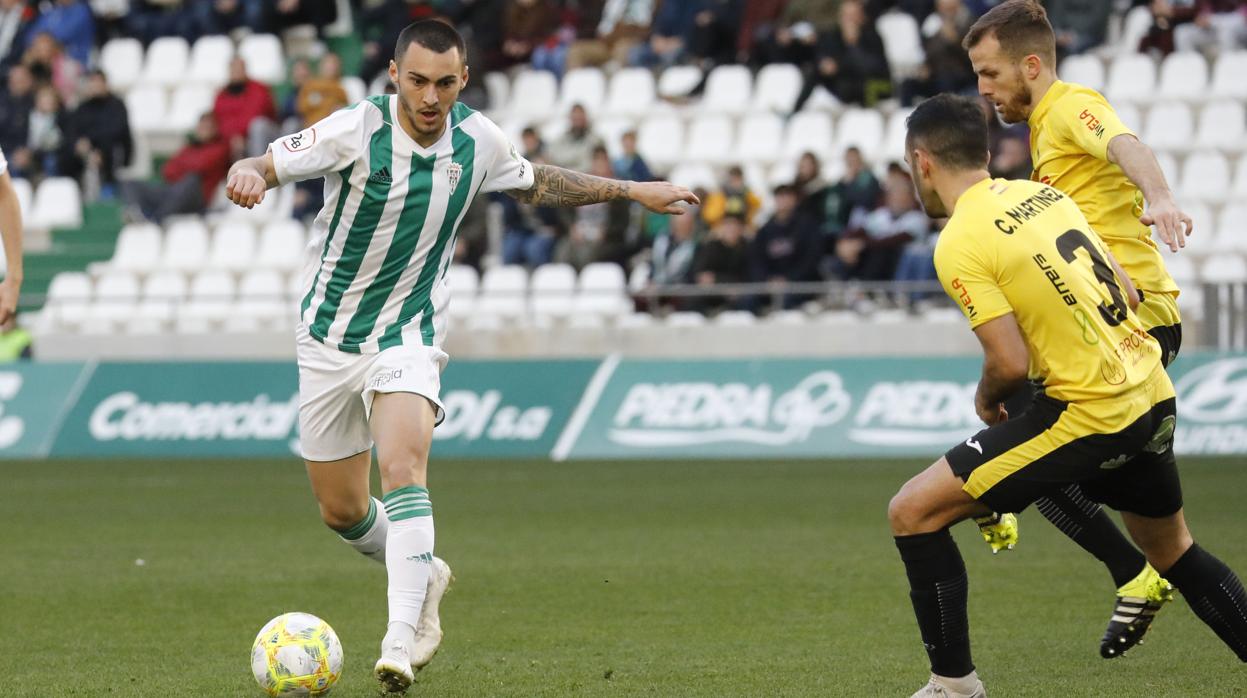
pixel 342 515
pixel 904 514
pixel 404 466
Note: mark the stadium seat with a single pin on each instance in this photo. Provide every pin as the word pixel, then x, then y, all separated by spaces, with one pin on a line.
pixel 788 317
pixel 1222 126
pixel 162 293
pixel 1169 126
pixel 166 62
pixel 25 196
pixel 1085 69
pixel 583 86
pixel 147 107
pixel 893 145
pixel 1228 76
pixel 685 318
pixel 138 248
pixel 1183 75
pixel 534 96
pixel 503 291
pixel 777 88
pixel 57 204
pixel 1169 167
pixel 660 141
pixel 122 62
pixel 631 93
pixel 281 246
pixel 1130 115
pixel 862 128
pixel 211 299
pixel 759 139
pixel 1205 177
pixel 116 296
pixel 709 138
pixel 902 43
pixel 784 172
pixel 261 303
pixel 1202 242
pixel 808 132
pixel 498 87
pixel 1231 228
pixel 602 291
pixel 355 88
pixel 736 318
pixel 1132 78
pixel 678 81
pixel 186 246
pixel 635 320
pixel 1136 25
pixel 611 131
pixel 233 247
pixel 1224 269
pixel 1182 269
pixel 694 175
pixel 729 89
pixel 586 322
pixel 553 286
pixel 462 281
pixel 188 104
pixel 265 59
pixel 209 60
pixel 1239 188
pixel 169 286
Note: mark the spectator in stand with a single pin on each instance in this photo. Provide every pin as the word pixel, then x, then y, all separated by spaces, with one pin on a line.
pixel 50 65
pixel 624 25
pixel 16 103
pixel 723 259
pixel 245 113
pixel 734 198
pixel 809 185
pixel 284 14
pixel 529 232
pixel 15 16
pixel 871 248
pixel 191 177
pixel 472 238
pixel 381 24
pixel 47 131
pixel 850 61
pixel 786 249
pixel 534 147
pixel 1218 24
pixel 947 66
pixel 758 20
pixel 1166 16
pixel 323 94
pixel 856 189
pixel 288 111
pixel 1011 158
pixel 574 149
pixel 226 16
pixel 673 22
pixel 797 31
pixel 671 258
pixel 1079 25
pixel 630 165
pixel 149 20
pixel 97 138
pixel 525 25
pixel 584 243
pixel 69 22
pixel 713 36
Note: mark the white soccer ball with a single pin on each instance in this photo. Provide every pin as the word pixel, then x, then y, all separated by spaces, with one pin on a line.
pixel 296 654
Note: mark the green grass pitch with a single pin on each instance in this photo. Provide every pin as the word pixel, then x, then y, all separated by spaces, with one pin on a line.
pixel 574 579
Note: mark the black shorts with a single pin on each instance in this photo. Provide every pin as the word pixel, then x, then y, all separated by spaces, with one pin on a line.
pixel 1170 338
pixel 1055 443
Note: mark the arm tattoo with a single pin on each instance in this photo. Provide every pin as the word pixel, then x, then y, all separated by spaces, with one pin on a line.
pixel 555 186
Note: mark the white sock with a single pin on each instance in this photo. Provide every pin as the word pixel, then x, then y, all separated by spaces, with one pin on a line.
pixel 368 536
pixel 960 684
pixel 408 556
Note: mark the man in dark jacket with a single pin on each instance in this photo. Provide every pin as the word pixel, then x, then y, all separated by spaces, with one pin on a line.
pixel 850 61
pixel 16 104
pixel 98 134
pixel 786 249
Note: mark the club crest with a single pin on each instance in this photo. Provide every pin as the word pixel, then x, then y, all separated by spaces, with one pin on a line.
pixel 453 172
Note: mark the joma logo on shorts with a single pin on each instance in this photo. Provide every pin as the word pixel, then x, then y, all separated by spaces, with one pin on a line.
pixel 383 378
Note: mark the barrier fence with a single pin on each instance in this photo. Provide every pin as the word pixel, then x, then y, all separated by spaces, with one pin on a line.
pixel 570 409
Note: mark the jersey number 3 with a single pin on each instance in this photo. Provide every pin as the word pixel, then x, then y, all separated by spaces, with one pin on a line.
pixel 1068 245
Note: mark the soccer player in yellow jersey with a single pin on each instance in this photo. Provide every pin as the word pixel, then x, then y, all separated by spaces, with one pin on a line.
pixel 1081 148
pixel 1040 292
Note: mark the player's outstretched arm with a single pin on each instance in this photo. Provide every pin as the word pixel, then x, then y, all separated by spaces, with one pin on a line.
pixel 1140 165
pixel 1006 362
pixel 555 186
pixel 11 235
pixel 249 178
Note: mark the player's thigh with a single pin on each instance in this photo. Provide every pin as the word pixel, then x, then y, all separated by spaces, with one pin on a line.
pixel 1143 479
pixel 333 420
pixel 341 488
pixel 403 395
pixel 931 500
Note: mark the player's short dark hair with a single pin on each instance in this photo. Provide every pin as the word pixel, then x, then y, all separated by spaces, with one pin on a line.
pixel 952 129
pixel 433 34
pixel 1021 27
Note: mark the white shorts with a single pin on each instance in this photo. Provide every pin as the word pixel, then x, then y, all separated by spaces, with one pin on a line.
pixel 336 390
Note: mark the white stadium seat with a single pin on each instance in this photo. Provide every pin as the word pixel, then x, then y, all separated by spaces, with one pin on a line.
pixel 138 248
pixel 534 95
pixel 893 145
pixel 777 88
pixel 611 131
pixel 211 298
pixel 759 139
pixel 162 293
pixel 1132 78
pixel 1224 268
pixel 1205 177
pixel 281 245
pixel 503 292
pixel 186 246
pixel 709 139
pixel 233 247
pixel 264 57
pixel 188 104
pixel 808 132
pixel 169 286
pixel 58 204
pixel 729 89
pixel 209 60
pixel 355 88
pixel 902 42
pixel 631 92
pixel 1169 167
pixel 1183 75
pixel 862 128
pixel 1136 25
pixel 116 297
pixel 1239 188
pixel 1182 269
pixel 685 318
pixel 694 175
pixel 1169 127
pixel 166 62
pixel 678 81
pixel 1228 75
pixel 1231 228
pixel 660 141
pixel 261 304
pixel 147 108
pixel 1223 126
pixel 122 63
pixel 69 298
pixel 1084 69
pixel 1130 115
pixel 736 318
pixel 498 87
pixel 583 86
pixel 553 286
pixel 463 282
pixel 602 290
pixel 25 196
pixel 1202 242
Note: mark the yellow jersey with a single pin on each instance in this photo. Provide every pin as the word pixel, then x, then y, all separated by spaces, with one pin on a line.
pixel 1070 130
pixel 1021 247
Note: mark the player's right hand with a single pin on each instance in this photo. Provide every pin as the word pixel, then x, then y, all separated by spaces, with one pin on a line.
pixel 1000 531
pixel 246 188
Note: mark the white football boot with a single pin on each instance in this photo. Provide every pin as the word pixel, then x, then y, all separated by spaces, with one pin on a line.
pixel 393 669
pixel 429 629
pixel 937 688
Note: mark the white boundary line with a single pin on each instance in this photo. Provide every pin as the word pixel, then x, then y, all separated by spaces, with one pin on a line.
pixel 588 401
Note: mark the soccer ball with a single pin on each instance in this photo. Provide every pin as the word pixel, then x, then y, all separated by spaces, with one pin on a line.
pixel 296 654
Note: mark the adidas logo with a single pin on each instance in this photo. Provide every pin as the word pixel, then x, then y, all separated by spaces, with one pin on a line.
pixel 426 558
pixel 381 176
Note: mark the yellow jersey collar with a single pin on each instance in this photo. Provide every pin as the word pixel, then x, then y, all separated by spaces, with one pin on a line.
pixel 1055 92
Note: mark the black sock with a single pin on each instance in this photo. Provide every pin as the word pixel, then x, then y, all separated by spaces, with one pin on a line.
pixel 939 591
pixel 1215 594
pixel 1093 529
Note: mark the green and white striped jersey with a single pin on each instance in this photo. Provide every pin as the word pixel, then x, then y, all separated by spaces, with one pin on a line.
pixel 375 274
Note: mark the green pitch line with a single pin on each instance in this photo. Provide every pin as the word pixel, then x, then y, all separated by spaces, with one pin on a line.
pixel 576 579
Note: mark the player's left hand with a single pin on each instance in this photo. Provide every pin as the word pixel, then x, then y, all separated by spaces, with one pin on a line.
pixel 9 290
pixel 663 197
pixel 1172 224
